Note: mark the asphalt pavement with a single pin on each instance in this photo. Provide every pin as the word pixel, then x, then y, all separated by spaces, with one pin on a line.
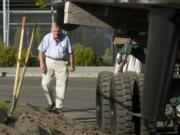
pixel 80 96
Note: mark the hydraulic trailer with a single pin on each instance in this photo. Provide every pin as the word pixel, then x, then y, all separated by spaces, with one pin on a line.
pixel 128 103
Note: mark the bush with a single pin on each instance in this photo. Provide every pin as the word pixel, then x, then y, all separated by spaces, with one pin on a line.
pixel 107 57
pixel 8 56
pixel 84 56
pixel 23 56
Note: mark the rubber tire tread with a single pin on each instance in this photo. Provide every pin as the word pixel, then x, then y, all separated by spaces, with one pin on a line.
pixel 132 100
pixel 103 93
pixel 121 121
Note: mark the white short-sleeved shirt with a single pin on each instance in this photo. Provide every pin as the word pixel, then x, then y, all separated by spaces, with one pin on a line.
pixel 58 49
pixel 133 64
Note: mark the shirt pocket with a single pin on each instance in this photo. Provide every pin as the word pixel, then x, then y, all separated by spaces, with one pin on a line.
pixel 64 47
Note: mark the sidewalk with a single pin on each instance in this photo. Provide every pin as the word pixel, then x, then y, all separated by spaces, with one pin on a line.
pixel 80 71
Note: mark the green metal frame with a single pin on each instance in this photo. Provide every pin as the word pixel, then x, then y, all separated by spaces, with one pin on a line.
pixel 140 53
pixel 175 97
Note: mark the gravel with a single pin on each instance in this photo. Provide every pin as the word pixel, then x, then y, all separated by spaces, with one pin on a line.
pixel 37 121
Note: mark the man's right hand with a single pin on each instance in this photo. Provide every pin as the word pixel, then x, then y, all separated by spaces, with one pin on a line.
pixel 43 68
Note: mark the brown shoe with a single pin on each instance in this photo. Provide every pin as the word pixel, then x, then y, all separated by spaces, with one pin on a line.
pixel 50 107
pixel 58 111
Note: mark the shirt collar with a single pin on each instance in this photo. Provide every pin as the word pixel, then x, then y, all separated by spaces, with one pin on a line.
pixel 59 39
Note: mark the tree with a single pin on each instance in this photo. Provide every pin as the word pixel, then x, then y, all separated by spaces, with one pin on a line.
pixel 40 3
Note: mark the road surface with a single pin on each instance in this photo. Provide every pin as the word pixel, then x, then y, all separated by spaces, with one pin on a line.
pixel 79 98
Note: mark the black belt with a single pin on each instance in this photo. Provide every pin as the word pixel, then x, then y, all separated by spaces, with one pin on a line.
pixel 56 58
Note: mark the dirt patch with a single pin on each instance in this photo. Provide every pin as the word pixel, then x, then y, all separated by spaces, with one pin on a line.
pixel 37 121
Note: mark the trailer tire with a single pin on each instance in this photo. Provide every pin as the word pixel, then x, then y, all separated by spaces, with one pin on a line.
pixel 102 101
pixel 134 101
pixel 121 104
pixel 147 127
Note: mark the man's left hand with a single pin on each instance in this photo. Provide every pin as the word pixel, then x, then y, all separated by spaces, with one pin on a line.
pixel 71 68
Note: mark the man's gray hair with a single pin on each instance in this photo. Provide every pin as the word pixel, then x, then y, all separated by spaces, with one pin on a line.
pixel 54 24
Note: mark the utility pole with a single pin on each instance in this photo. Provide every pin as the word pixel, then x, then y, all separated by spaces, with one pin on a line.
pixel 8 26
pixel 52 14
pixel 4 22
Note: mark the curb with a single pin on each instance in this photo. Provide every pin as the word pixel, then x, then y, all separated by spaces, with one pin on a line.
pixel 79 72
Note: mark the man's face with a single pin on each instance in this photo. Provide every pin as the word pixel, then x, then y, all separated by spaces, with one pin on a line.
pixel 56 32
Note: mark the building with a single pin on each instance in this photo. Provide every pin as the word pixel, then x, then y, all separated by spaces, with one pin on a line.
pixel 97 38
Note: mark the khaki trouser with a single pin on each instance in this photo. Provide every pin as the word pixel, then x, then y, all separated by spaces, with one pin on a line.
pixel 57 69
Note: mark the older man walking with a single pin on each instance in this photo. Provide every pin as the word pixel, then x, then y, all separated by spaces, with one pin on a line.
pixel 56 60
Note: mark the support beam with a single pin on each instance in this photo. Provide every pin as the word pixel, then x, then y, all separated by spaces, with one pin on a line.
pixel 74 14
pixel 163 44
pixel 126 19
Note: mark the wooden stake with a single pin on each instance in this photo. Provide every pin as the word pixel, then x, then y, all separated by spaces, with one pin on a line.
pixel 26 60
pixel 18 66
pixel 19 56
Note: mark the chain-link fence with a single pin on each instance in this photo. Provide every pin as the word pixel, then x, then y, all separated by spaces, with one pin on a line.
pixel 98 39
